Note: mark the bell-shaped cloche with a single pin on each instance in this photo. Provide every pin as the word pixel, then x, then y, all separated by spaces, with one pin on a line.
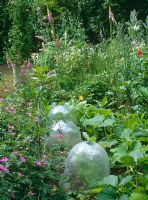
pixel 61 112
pixel 63 133
pixel 86 164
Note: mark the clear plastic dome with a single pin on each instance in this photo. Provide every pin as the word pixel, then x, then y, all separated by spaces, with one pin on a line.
pixel 64 133
pixel 86 164
pixel 57 113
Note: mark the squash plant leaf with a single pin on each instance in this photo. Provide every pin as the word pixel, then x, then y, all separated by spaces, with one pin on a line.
pixel 107 194
pixel 120 151
pixel 125 180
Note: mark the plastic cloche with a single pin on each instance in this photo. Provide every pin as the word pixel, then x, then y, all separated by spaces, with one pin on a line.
pixel 64 133
pixel 61 112
pixel 86 164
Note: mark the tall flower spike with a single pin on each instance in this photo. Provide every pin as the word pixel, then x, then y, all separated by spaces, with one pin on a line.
pixel 111 16
pixel 49 14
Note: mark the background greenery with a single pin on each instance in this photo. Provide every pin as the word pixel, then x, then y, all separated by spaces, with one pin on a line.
pixel 93 15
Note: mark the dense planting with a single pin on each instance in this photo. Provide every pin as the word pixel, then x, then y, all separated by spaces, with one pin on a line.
pixel 72 90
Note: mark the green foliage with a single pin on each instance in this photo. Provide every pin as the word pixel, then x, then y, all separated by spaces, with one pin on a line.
pixel 106 85
pixel 21 32
pixel 4 26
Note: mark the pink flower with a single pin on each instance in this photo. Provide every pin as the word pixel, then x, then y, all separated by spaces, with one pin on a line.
pixel 4 160
pixel 3 169
pixel 13 133
pixel 10 64
pixel 111 16
pixel 40 163
pixel 22 158
pixel 27 65
pixel 133 43
pixel 49 15
pixel 10 109
pixel 1 99
pixel 10 126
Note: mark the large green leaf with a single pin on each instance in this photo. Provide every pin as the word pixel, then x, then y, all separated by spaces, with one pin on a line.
pixel 120 151
pixel 98 121
pixel 141 133
pixel 107 194
pixel 125 180
pixel 108 122
pixel 124 197
pixel 126 134
pixel 95 121
pixel 111 180
pixel 138 196
pixel 136 155
pixel 127 160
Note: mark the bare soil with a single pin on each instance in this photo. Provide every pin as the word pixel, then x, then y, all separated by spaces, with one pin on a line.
pixel 6 81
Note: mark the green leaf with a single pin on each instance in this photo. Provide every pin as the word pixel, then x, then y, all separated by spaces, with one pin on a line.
pixel 95 121
pixel 108 143
pixel 137 196
pixel 86 136
pixel 111 180
pixel 120 151
pixel 143 139
pixel 126 134
pixel 127 160
pixel 108 122
pixel 124 197
pixel 141 133
pixel 104 101
pixel 135 154
pixel 119 129
pixel 125 180
pixel 131 123
pixel 143 160
pixel 104 112
pixel 107 194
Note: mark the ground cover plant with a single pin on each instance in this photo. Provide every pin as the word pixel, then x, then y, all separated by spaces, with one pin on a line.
pixel 104 84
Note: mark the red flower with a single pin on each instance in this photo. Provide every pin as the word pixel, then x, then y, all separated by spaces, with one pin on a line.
pixel 139 53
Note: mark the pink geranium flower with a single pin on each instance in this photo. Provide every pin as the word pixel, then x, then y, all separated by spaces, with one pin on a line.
pixel 13 133
pixel 4 159
pixel 10 126
pixel 1 99
pixel 22 158
pixel 10 109
pixel 40 163
pixel 3 169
